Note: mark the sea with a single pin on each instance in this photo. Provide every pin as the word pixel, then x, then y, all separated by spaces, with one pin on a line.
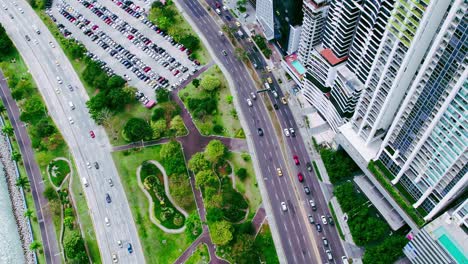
pixel 11 251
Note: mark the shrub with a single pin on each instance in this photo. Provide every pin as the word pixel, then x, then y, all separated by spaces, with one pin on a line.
pixel 241 173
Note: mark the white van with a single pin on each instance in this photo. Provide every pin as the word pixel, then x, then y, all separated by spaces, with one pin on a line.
pixel 85 182
pixel 72 106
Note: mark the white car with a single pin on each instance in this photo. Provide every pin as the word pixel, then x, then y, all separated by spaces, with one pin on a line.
pixel 324 220
pixel 51 44
pixel 88 165
pixel 254 96
pixel 286 132
pixel 106 219
pixel 59 80
pixel 284 207
pixel 21 10
pixel 114 258
pixel 70 119
pixel 249 102
pixel 5 7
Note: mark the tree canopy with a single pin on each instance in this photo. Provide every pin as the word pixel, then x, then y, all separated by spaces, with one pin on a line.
pixel 6 46
pixel 198 163
pixel 215 151
pixel 206 178
pixel 221 232
pixel 137 129
pixel 210 83
pixel 177 125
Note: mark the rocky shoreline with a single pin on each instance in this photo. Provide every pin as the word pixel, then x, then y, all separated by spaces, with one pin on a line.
pixel 16 198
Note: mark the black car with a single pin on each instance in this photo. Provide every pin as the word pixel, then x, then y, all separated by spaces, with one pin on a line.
pixel 108 199
pixel 228 18
pixel 330 219
pixel 260 132
pixel 309 166
pixel 318 227
pixel 276 106
pixel 96 165
pixel 70 88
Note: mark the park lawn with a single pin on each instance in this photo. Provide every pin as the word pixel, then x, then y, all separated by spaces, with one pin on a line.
pixel 118 121
pixel 223 115
pixel 158 246
pixel 82 211
pixel 62 170
pixel 248 187
pixel 200 256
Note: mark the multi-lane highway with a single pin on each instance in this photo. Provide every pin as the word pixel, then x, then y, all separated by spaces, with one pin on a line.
pixel 300 242
pixel 41 59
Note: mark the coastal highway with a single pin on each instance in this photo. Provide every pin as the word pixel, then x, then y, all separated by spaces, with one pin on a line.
pixel 40 56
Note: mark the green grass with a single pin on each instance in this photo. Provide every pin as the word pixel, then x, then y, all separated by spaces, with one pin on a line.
pixel 317 171
pixel 223 115
pixel 248 187
pixel 158 247
pixel 81 208
pixel 200 256
pixel 265 246
pixel 59 174
pixel 410 211
pixel 338 227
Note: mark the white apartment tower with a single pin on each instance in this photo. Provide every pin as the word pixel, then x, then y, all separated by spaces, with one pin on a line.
pixel 264 15
pixel 427 142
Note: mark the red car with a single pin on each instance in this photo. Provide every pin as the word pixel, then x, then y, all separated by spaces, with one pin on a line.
pixel 91 133
pixel 300 177
pixel 130 37
pixel 296 160
pixel 146 69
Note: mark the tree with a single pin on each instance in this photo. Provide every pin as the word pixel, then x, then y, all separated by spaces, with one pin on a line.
pixel 214 214
pixel 16 156
pixel 74 247
pixel 241 173
pixel 69 221
pixel 22 182
pixel 96 104
pixel 28 213
pixel 243 249
pixel 22 90
pixel 386 252
pixel 44 128
pixel 172 158
pixel 8 130
pixel 205 178
pixel 198 163
pixel 104 117
pixel 158 127
pixel 50 193
pixel 210 83
pixel 177 125
pixel 6 46
pixel 2 107
pixel 221 232
pixel 241 54
pixel 33 109
pixel 137 129
pixel 193 225
pixel 35 245
pixel 196 82
pixel 190 41
pixel 158 113
pixel 117 99
pixel 215 151
pixel 115 82
pixel 162 95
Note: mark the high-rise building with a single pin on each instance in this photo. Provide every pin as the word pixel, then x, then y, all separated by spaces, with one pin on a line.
pixel 404 62
pixel 279 19
pixel 427 142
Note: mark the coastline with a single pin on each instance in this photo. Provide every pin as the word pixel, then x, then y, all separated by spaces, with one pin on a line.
pixel 16 197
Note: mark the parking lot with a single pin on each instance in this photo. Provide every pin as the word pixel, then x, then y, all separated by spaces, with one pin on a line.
pixel 119 37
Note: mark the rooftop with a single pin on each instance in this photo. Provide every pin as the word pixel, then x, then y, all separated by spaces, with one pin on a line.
pixel 294 64
pixel 331 58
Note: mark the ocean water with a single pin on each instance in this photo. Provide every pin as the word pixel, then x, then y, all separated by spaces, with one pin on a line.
pixel 10 244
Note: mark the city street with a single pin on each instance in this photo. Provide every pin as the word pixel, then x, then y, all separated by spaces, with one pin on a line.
pixel 293 226
pixel 40 58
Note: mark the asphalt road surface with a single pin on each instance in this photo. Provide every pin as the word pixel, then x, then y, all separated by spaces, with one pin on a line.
pixel 300 241
pixel 40 58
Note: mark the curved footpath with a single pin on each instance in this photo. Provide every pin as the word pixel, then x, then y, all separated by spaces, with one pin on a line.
pixel 16 198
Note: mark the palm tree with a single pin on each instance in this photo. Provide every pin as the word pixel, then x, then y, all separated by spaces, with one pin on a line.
pixel 8 130
pixel 28 213
pixel 35 245
pixel 22 182
pixel 16 156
